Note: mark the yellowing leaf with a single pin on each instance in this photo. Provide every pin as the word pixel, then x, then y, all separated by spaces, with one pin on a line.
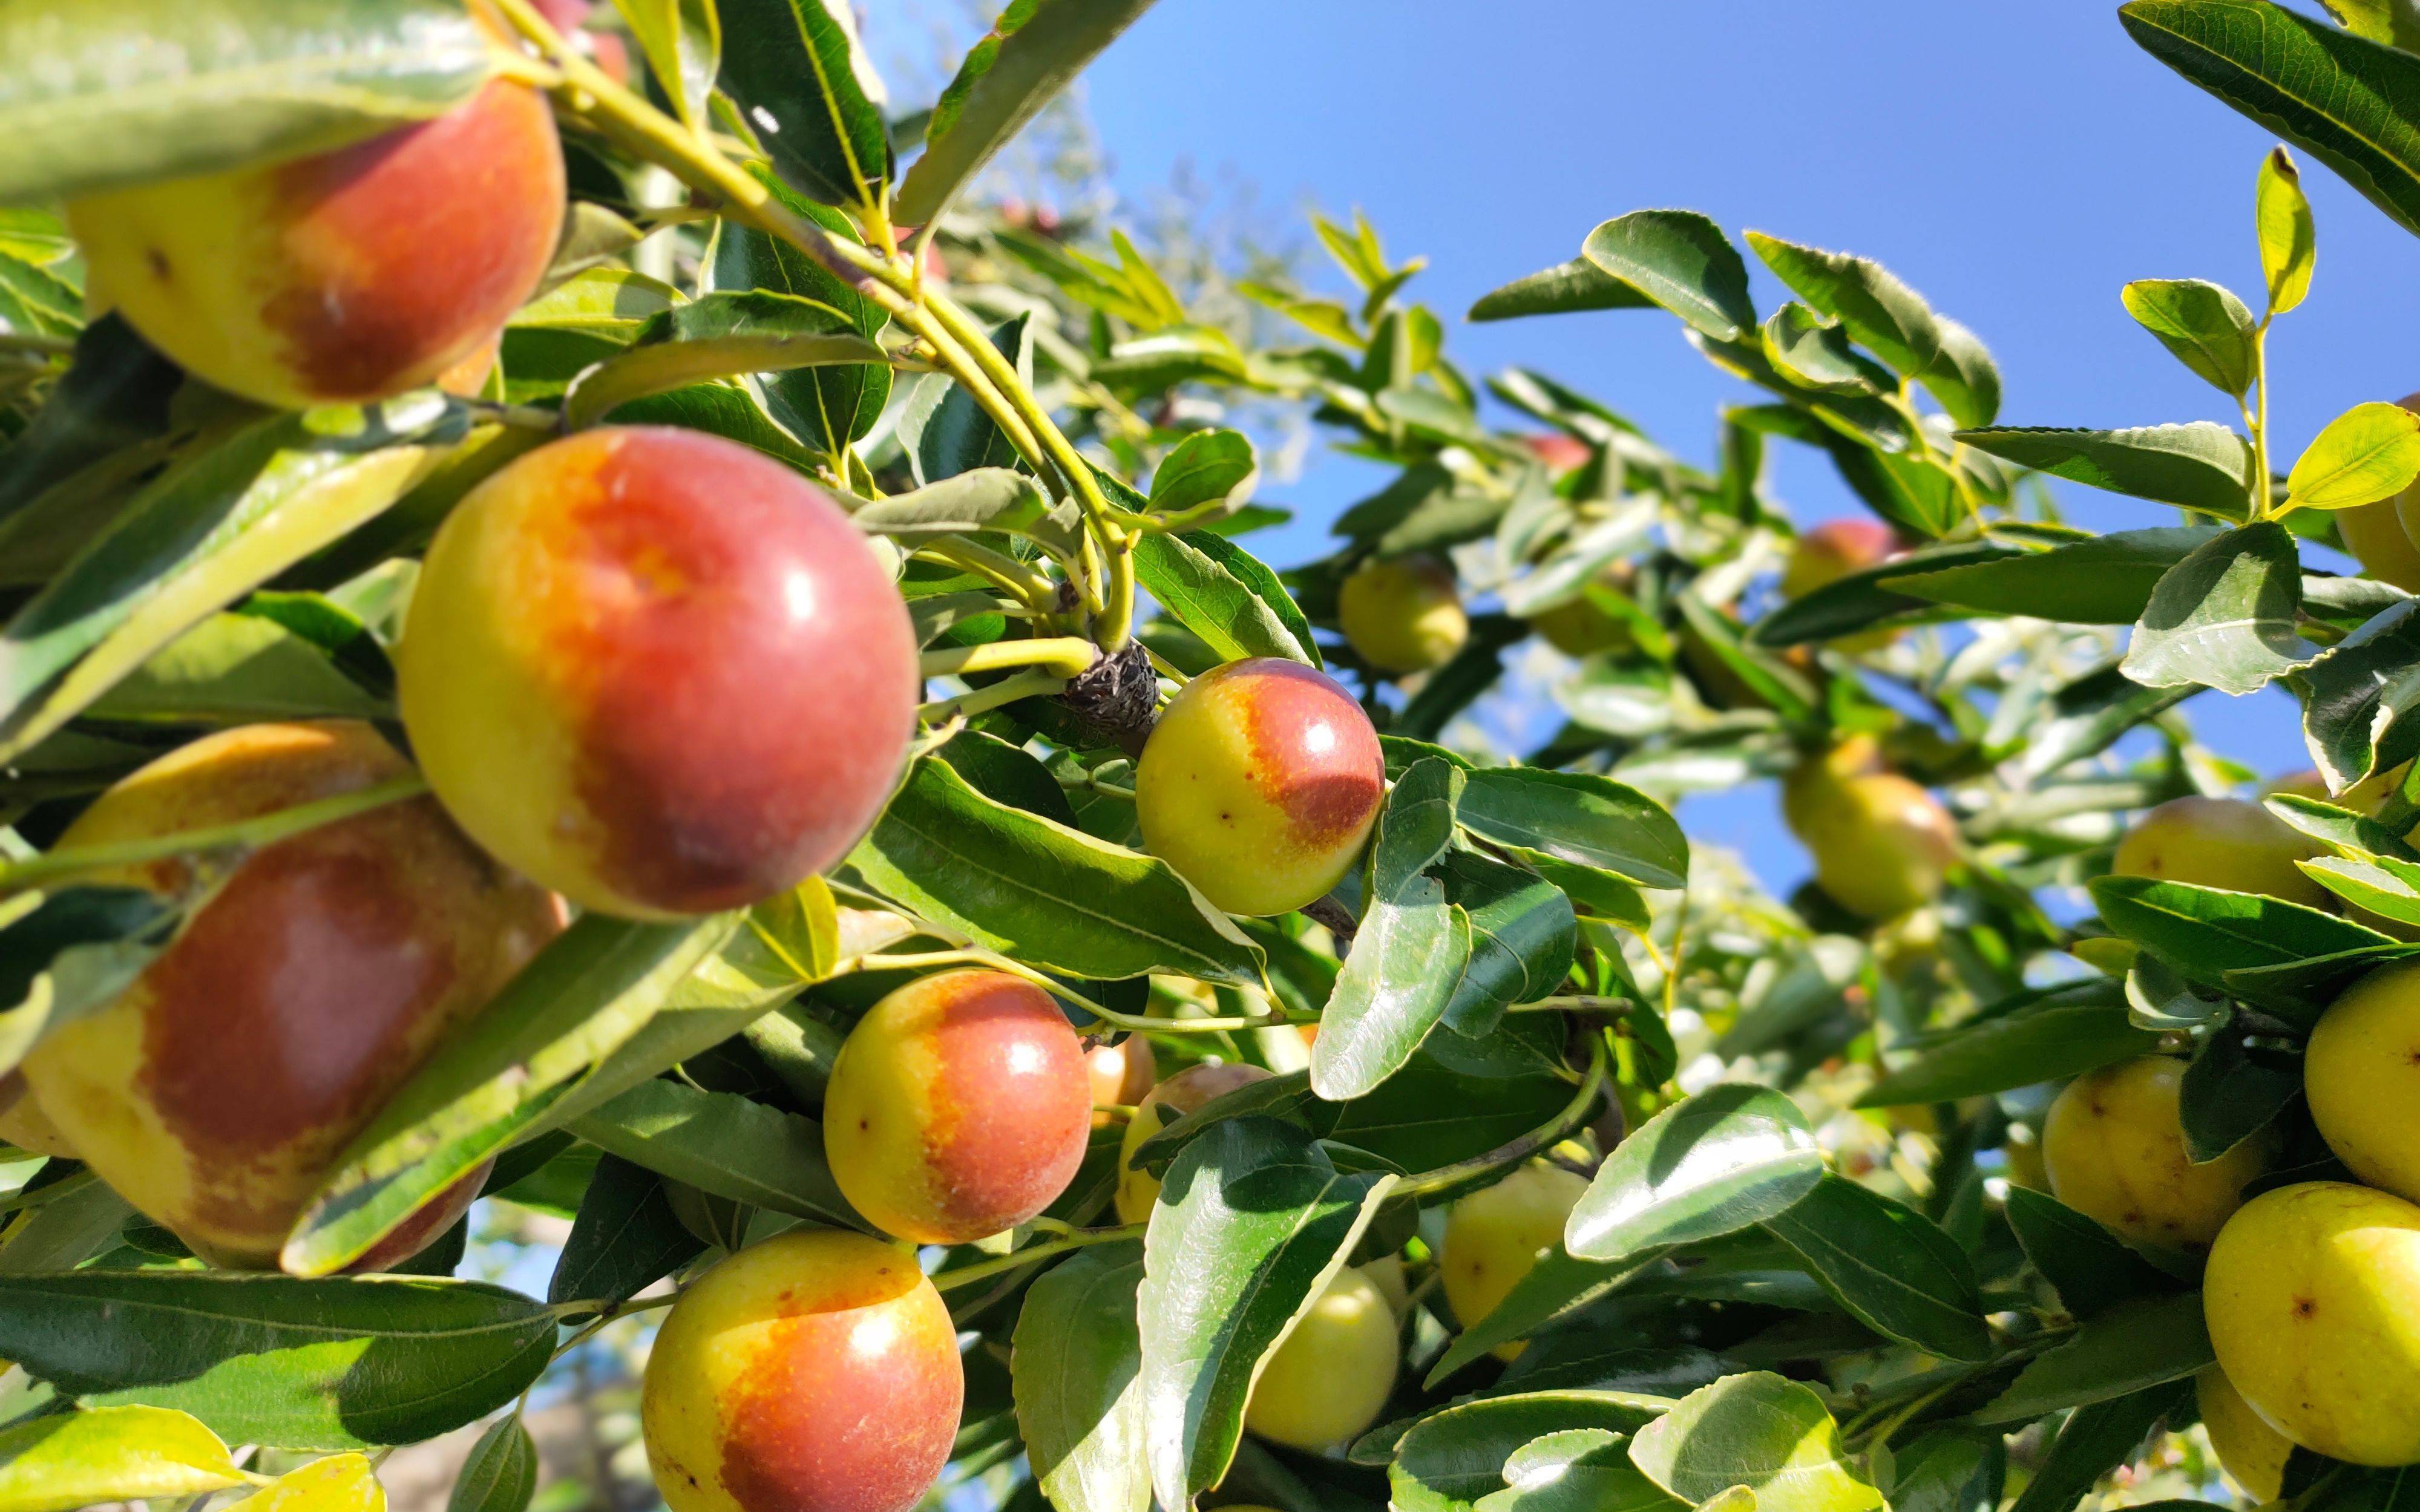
pixel 117 1454
pixel 2371 452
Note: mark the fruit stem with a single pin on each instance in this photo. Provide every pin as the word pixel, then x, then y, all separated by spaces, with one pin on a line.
pixel 1064 654
pixel 1547 1135
pixel 1035 682
pixel 245 835
pixel 966 1275
pixel 1032 590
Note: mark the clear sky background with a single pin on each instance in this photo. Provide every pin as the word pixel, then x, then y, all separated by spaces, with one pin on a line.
pixel 2015 160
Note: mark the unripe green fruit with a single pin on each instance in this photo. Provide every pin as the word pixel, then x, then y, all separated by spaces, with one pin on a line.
pixel 217 1092
pixel 958 1107
pixel 2312 1295
pixel 657 672
pixel 1260 784
pixel 2114 1148
pixel 1494 1237
pixel 2251 1451
pixel 1330 1378
pixel 1180 1094
pixel 816 1372
pixel 1577 627
pixel 2221 843
pixel 353 274
pixel 2360 1075
pixel 1403 614
pixel 1883 846
pixel 2374 535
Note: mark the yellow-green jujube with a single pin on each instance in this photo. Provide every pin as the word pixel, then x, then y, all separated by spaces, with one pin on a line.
pixel 816 1372
pixel 2251 1451
pixel 1260 784
pixel 1494 1237
pixel 1883 846
pixel 1179 1095
pixel 1330 1378
pixel 2114 1148
pixel 2312 1296
pixel 2374 535
pixel 1403 614
pixel 2221 843
pixel 2361 1071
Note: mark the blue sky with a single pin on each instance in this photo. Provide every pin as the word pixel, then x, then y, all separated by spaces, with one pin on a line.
pixel 2015 162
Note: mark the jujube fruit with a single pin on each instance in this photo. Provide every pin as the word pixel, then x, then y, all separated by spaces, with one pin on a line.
pixel 2360 1075
pixel 959 1107
pixel 1579 627
pixel 1403 614
pixel 1121 1075
pixel 1830 551
pixel 1495 1237
pixel 215 1093
pixel 2114 1147
pixel 2374 534
pixel 2250 1450
pixel 657 672
pixel 1330 1377
pixel 816 1372
pixel 348 276
pixel 1260 784
pixel 2312 1296
pixel 1883 846
pixel 2221 843
pixel 1180 1094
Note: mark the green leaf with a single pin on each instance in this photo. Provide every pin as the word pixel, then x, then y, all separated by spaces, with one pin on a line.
pixel 1562 289
pixel 1730 1156
pixel 117 1454
pixel 1252 1223
pixel 1225 596
pixel 1432 1114
pixel 1963 375
pixel 506 1077
pixel 1452 1459
pixel 74 1223
pixel 2351 103
pixel 2102 579
pixel 1555 1286
pixel 341 1364
pixel 2128 1347
pixel 717 335
pixel 625 1239
pixel 985 498
pixel 113 399
pixel 2041 1043
pixel 2198 466
pixel 1076 1359
pixel 65 953
pixel 2371 452
pixel 1814 352
pixel 1577 817
pixel 1523 932
pixel 941 428
pixel 500 1474
pixel 108 93
pixel 1048 895
pixel 1872 596
pixel 2094 1440
pixel 208 530
pixel 682 40
pixel 1681 260
pixel 828 407
pixel 1884 315
pixel 1207 468
pixel 2209 934
pixel 2203 325
pixel 1578 1470
pixel 722 1144
pixel 2358 696
pixel 2224 617
pixel 1411 947
pixel 796 68
pixel 1891 1267
pixel 1758 1431
pixel 2235 1087
pixel 1948 1470
pixel 2288 244
pixel 2089 1268
pixel 1029 56
pixel 238 669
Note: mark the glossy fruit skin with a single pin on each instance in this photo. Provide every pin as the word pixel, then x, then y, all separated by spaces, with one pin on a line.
pixel 1830 551
pixel 1182 1094
pixel 349 275
pixel 2115 1153
pixel 1403 614
pixel 2221 843
pixel 1883 846
pixel 1121 1075
pixel 816 1372
pixel 1557 453
pixel 2358 1075
pixel 2375 536
pixel 2312 1295
pixel 215 1092
pixel 2251 1452
pixel 1494 1237
pixel 1260 785
pixel 1326 1382
pixel 959 1107
pixel 657 672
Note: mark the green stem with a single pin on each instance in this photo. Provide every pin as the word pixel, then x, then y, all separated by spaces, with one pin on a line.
pixel 1544 1137
pixel 1030 588
pixel 2263 499
pixel 966 1275
pixel 1063 655
pixel 249 834
pixel 1025 685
